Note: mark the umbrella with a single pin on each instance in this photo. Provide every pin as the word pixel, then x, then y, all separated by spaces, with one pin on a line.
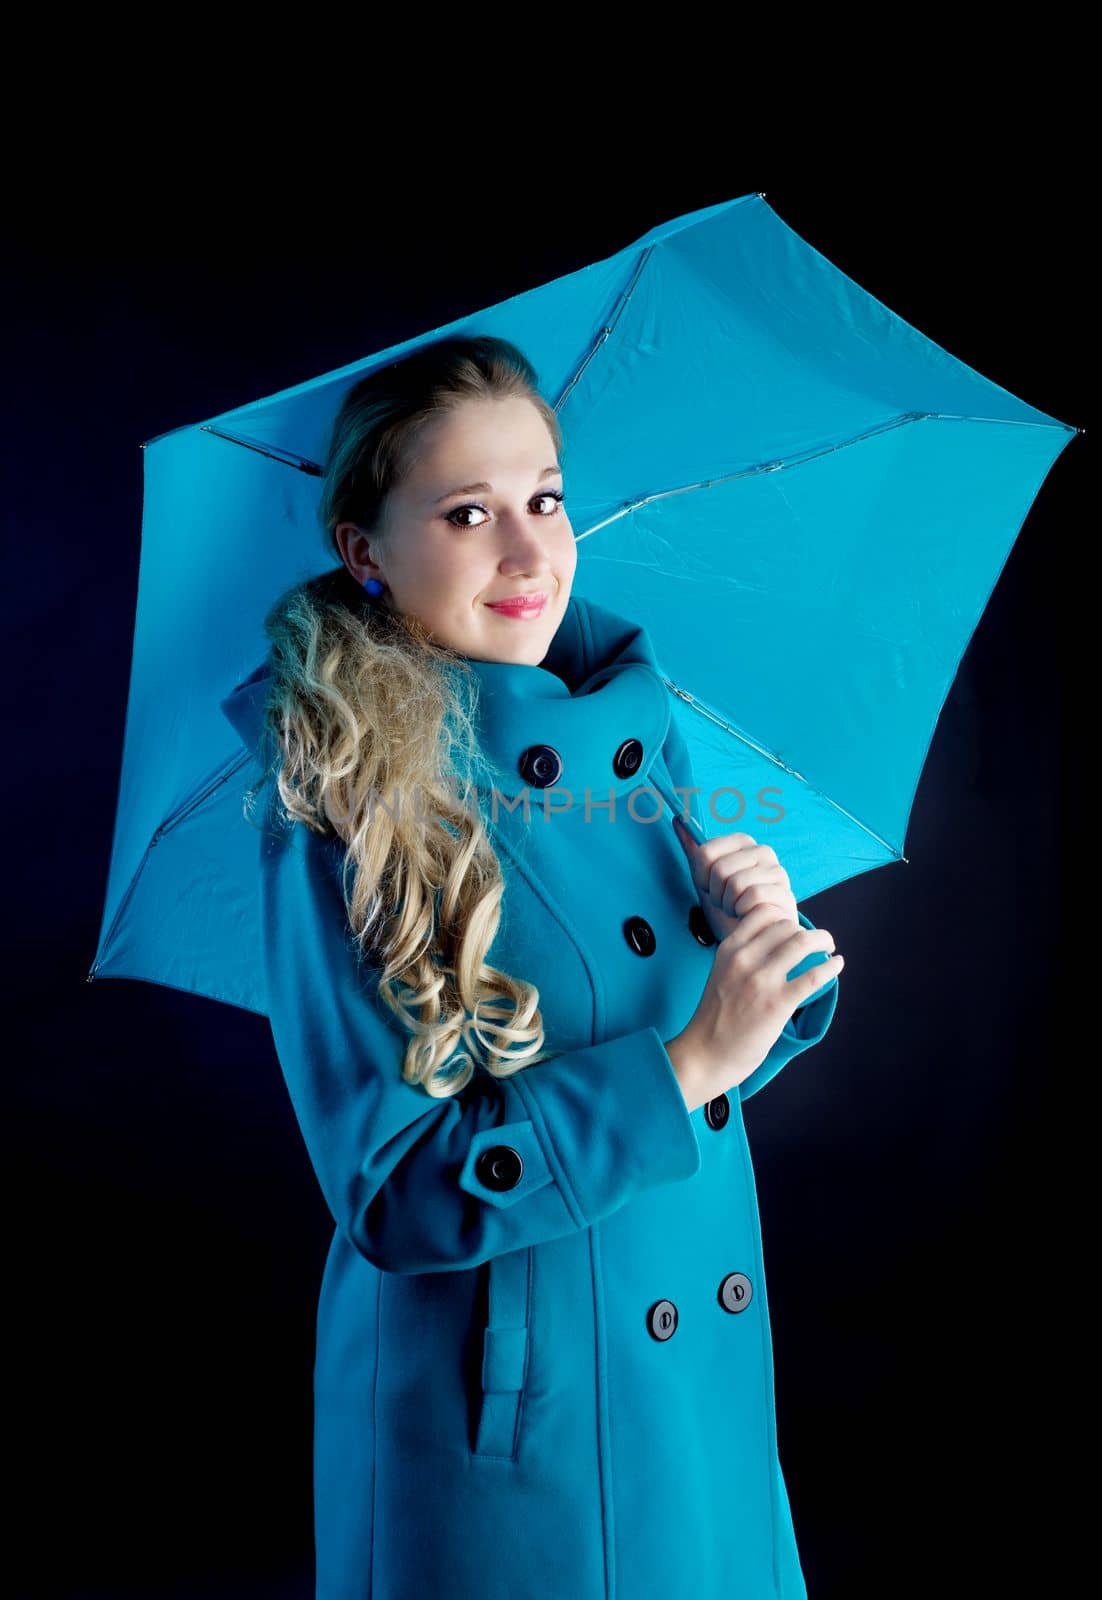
pixel 803 499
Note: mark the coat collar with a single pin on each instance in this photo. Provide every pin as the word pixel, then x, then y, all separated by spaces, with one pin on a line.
pixel 598 687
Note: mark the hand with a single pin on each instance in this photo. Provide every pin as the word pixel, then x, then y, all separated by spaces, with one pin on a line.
pixel 746 1002
pixel 733 874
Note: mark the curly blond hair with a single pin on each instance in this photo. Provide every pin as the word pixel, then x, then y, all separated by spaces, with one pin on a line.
pixel 366 704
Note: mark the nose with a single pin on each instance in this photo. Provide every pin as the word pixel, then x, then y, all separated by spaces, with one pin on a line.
pixel 523 549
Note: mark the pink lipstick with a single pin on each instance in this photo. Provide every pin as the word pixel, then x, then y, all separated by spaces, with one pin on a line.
pixel 527 605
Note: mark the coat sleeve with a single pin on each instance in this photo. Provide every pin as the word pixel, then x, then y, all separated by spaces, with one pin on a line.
pixel 805 1027
pixel 420 1184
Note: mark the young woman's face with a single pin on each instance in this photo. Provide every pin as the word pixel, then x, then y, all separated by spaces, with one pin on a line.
pixel 446 556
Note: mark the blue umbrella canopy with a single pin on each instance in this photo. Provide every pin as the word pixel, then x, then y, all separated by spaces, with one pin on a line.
pixel 804 500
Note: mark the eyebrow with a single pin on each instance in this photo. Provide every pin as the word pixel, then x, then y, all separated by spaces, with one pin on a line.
pixel 473 488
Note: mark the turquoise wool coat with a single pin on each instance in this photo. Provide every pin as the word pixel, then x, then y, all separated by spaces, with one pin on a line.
pixel 543 1364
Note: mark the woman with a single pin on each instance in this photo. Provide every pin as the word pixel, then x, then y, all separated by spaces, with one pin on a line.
pixel 513 1007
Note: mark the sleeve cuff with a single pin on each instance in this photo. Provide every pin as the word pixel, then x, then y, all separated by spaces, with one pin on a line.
pixel 809 1021
pixel 804 1028
pixel 612 1120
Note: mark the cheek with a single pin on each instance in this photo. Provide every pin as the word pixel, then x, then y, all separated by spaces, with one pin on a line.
pixel 449 571
pixel 566 549
pixel 467 575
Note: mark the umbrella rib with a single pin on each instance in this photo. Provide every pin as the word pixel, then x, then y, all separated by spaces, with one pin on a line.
pixel 158 834
pixel 604 333
pixel 275 452
pixel 813 453
pixel 176 817
pixel 778 761
pixel 124 900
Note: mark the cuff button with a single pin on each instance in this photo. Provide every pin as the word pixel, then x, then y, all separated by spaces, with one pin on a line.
pixel 499 1167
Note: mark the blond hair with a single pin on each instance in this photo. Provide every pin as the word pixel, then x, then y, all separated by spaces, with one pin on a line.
pixel 365 703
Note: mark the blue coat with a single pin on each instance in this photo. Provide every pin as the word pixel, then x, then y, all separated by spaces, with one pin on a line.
pixel 543 1364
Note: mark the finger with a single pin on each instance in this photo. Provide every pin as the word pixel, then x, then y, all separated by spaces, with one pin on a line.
pixel 763 927
pixel 763 884
pixel 776 939
pixel 708 851
pixel 724 859
pixel 691 849
pixel 815 977
pixel 684 833
pixel 789 951
pixel 697 851
pixel 734 873
pixel 751 898
pixel 725 844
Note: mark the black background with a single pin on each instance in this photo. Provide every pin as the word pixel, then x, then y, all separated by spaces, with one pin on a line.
pixel 919 1173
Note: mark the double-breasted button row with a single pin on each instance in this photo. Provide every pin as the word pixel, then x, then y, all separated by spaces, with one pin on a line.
pixel 640 935
pixel 541 764
pixel 734 1294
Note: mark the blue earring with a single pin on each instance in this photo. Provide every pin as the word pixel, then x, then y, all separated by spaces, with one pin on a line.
pixel 373 586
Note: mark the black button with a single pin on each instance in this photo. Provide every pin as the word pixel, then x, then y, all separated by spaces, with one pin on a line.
pixel 717 1111
pixel 628 759
pixel 540 765
pixel 640 935
pixel 662 1319
pixel 698 926
pixel 735 1292
pixel 500 1167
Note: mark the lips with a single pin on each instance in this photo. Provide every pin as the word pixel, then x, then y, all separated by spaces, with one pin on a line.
pixel 520 604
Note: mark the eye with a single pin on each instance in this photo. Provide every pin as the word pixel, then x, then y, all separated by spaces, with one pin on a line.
pixel 554 495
